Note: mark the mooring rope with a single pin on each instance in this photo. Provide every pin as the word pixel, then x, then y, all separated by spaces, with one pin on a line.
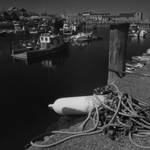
pixel 119 112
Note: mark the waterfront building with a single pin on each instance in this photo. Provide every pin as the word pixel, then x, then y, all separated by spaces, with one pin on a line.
pixel 128 17
pixel 91 17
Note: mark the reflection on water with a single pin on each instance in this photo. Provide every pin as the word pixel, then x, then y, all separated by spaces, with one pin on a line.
pixel 53 62
pixel 141 39
pixel 81 44
pixel 137 39
pixel 56 61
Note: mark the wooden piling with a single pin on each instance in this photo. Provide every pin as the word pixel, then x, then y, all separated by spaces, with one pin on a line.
pixel 117 51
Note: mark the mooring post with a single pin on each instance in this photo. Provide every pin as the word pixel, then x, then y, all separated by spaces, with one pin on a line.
pixel 117 51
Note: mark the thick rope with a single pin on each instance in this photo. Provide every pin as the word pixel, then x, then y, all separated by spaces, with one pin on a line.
pixel 129 114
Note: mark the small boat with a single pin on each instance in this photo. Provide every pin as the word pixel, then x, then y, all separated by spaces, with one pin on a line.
pixel 33 30
pixel 68 29
pixel 142 33
pixel 130 69
pixel 135 65
pixel 18 28
pixel 144 58
pixel 50 61
pixel 46 44
pixel 81 36
pixel 133 30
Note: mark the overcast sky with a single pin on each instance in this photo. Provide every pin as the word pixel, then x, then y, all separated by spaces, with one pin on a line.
pixel 73 6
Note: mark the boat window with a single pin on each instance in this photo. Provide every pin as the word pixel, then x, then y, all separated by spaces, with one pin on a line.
pixel 42 39
pixel 46 39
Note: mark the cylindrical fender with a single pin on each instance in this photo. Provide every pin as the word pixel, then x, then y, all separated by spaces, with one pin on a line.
pixel 76 105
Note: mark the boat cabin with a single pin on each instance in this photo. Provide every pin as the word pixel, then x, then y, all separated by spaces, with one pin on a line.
pixel 47 41
pixel 134 28
pixel 46 44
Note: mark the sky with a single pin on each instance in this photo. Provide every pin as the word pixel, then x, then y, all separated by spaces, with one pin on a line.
pixel 75 6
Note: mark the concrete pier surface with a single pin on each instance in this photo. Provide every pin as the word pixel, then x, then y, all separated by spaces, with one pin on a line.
pixel 138 86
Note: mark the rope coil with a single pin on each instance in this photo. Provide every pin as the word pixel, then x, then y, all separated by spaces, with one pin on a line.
pixel 119 113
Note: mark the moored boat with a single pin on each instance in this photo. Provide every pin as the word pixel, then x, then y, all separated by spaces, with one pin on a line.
pixel 81 36
pixel 135 65
pixel 142 33
pixel 33 30
pixel 144 58
pixel 130 69
pixel 46 44
pixel 133 30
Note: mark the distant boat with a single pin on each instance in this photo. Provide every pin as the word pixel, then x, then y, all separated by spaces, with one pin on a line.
pixel 133 30
pixel 18 28
pixel 33 30
pixel 142 33
pixel 81 36
pixel 144 58
pixel 47 44
pixel 130 69
pixel 133 66
pixel 68 29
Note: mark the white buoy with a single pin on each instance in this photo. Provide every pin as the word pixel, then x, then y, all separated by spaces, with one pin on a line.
pixel 76 105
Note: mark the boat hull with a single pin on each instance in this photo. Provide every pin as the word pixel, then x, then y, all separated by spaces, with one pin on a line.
pixel 42 53
pixel 37 53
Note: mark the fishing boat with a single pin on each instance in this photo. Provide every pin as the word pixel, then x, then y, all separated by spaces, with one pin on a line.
pixel 133 30
pixel 130 69
pixel 81 36
pixel 46 44
pixel 133 66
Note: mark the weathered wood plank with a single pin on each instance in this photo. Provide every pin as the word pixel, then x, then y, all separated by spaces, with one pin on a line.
pixel 117 50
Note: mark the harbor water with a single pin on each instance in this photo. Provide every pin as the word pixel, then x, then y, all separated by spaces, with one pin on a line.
pixel 28 87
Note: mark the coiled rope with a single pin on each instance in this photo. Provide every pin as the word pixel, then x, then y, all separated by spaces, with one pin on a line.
pixel 119 112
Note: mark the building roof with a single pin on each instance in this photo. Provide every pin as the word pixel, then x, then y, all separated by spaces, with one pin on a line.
pixel 127 15
pixel 93 13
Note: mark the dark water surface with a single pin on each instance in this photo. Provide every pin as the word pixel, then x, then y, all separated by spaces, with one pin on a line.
pixel 26 90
